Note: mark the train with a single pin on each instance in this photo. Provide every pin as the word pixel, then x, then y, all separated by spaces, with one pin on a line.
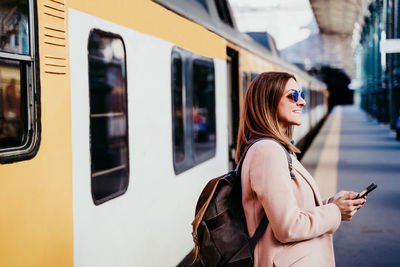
pixel 113 117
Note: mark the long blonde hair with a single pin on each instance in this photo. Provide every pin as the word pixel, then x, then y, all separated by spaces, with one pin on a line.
pixel 259 116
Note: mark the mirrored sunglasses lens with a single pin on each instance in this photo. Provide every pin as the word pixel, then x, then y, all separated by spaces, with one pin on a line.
pixel 295 96
pixel 302 95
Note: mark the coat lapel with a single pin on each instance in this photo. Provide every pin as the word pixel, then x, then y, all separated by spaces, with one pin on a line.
pixel 307 176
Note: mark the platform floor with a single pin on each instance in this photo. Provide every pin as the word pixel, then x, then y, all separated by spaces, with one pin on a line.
pixel 351 151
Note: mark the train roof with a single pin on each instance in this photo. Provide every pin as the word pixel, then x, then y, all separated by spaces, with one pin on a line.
pixel 216 15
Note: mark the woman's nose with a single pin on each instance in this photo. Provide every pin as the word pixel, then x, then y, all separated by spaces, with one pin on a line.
pixel 301 102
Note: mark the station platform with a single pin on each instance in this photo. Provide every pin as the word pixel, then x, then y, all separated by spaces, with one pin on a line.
pixel 350 152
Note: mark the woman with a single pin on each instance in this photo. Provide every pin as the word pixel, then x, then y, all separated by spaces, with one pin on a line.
pixel 300 223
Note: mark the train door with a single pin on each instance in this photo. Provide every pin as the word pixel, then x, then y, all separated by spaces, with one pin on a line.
pixel 233 102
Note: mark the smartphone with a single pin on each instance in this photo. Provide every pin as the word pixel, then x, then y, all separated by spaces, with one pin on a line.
pixel 366 190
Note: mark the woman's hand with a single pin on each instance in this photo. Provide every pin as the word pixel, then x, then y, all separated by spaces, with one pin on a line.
pixel 346 203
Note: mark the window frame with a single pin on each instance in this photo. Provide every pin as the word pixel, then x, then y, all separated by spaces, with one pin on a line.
pixel 31 88
pixel 178 166
pixel 190 158
pixel 123 190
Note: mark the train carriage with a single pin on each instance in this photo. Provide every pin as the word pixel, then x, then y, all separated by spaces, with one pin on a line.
pixel 113 116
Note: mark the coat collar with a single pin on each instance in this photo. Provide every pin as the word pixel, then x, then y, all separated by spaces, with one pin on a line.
pixel 309 179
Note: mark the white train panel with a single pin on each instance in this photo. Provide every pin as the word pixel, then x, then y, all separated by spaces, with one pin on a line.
pixel 154 216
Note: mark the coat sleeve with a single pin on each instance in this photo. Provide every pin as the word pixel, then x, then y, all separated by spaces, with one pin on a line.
pixel 270 180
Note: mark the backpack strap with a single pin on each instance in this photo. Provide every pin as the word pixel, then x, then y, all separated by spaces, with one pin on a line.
pixel 290 163
pixel 259 232
pixel 246 148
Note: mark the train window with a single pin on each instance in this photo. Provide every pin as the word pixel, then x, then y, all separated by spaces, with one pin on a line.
pixel 108 116
pixel 320 98
pixel 314 98
pixel 14 29
pixel 253 75
pixel 223 12
pixel 193 109
pixel 178 108
pixel 203 3
pixel 306 95
pixel 19 135
pixel 245 82
pixel 203 109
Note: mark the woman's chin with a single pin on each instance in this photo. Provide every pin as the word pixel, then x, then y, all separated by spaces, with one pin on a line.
pixel 297 123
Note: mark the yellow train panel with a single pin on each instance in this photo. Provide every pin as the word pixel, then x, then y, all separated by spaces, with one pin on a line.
pixel 36 224
pixel 253 63
pixel 161 24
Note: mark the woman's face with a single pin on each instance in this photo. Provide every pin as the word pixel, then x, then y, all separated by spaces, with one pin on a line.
pixel 289 111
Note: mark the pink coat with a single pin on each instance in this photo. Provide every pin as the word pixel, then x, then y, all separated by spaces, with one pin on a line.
pixel 299 231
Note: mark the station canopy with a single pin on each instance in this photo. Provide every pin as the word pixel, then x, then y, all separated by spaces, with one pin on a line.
pixel 340 16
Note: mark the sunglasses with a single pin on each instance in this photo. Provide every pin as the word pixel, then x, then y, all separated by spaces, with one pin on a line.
pixel 295 95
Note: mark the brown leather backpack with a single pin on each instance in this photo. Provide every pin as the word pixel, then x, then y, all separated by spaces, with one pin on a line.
pixel 219 228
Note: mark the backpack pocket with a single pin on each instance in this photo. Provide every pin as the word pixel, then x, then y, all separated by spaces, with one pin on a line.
pixel 209 253
pixel 229 239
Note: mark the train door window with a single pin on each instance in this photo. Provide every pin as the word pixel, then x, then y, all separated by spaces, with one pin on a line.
pixel 19 102
pixel 178 110
pixel 203 109
pixel 108 116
